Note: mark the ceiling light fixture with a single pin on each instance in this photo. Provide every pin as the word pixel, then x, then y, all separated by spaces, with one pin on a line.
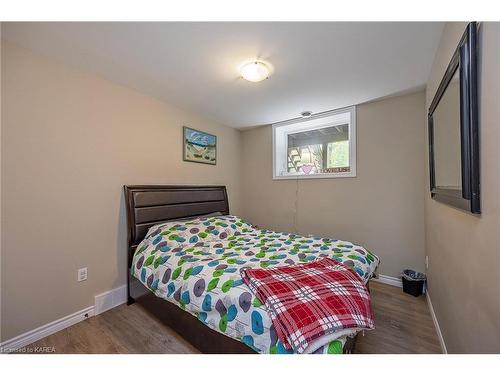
pixel 255 71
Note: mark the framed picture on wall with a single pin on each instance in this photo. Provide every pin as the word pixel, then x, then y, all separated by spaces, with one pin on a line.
pixel 199 147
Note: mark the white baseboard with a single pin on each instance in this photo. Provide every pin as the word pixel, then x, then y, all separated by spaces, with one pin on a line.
pixel 45 330
pixel 436 324
pixel 110 299
pixel 103 302
pixel 390 280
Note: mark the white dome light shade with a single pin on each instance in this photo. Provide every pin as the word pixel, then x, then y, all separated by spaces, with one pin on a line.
pixel 255 71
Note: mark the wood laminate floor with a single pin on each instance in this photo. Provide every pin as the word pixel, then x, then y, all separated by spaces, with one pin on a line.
pixel 403 325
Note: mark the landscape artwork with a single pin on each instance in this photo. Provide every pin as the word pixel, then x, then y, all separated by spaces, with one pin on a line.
pixel 199 147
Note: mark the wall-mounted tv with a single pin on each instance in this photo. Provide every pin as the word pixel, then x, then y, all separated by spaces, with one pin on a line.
pixel 454 130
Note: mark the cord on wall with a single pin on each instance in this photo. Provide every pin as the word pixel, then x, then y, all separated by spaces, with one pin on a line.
pixel 296 207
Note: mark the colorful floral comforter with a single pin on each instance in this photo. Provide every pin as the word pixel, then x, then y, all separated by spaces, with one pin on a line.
pixel 195 264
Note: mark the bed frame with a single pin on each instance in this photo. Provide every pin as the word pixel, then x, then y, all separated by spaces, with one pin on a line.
pixel 148 205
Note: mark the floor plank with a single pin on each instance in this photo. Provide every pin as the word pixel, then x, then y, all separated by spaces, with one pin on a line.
pixel 403 325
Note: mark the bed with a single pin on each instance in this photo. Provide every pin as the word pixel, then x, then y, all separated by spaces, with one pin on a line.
pixel 186 248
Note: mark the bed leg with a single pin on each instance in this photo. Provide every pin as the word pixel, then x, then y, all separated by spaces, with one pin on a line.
pixel 350 345
pixel 130 300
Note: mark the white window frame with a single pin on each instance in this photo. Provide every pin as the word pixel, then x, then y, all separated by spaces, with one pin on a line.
pixel 325 120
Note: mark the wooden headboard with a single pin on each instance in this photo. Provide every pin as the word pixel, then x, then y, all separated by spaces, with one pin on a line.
pixel 148 205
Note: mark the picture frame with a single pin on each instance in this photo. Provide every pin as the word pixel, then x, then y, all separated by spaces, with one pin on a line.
pixel 199 146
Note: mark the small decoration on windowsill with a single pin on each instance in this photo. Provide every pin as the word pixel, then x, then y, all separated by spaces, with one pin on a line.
pixel 199 147
pixel 307 168
pixel 336 170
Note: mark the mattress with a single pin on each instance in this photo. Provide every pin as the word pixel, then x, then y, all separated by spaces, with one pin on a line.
pixel 196 265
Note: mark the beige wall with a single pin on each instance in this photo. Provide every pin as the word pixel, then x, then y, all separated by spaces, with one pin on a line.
pixel 464 249
pixel 381 209
pixel 70 141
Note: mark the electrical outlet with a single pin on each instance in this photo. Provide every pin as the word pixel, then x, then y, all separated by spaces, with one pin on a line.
pixel 426 262
pixel 82 274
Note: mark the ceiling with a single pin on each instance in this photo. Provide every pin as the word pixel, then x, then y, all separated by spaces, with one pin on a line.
pixel 317 66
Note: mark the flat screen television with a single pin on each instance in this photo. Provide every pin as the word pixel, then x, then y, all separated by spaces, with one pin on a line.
pixel 454 130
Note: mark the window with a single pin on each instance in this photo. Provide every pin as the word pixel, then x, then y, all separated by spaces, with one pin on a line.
pixel 316 148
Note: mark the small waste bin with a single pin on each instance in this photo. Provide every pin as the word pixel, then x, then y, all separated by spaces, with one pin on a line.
pixel 413 282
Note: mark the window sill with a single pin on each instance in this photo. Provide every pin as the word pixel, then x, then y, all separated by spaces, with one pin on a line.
pixel 315 176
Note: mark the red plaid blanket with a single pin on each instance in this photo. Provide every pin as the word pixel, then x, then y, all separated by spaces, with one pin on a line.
pixel 308 302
